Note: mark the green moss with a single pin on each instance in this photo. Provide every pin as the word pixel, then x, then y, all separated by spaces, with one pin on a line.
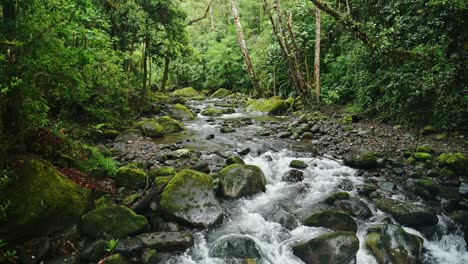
pixel 104 201
pixel 289 102
pixel 186 92
pixel 131 178
pixel 41 201
pixel 454 161
pixel 180 112
pixel 332 219
pixel 421 156
pixel 425 149
pixel 211 111
pixel 272 106
pixel 407 213
pixel 366 160
pixel 336 196
pixel 150 128
pixel 161 180
pixel 239 180
pixel 221 93
pixel 428 130
pixel 298 164
pixel 149 256
pixel 112 222
pixel 347 120
pixel 129 200
pixel 441 136
pixel 170 125
pixel 162 171
pixel 234 160
pixel 426 188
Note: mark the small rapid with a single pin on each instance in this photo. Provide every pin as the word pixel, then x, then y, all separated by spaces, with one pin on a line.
pixel 256 217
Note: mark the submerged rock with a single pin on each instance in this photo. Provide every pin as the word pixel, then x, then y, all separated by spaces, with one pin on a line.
pixel 235 247
pixel 335 247
pixel 293 176
pixel 41 200
pixel 167 241
pixel 392 244
pixel 333 219
pixel 189 199
pixel 239 180
pixel 112 222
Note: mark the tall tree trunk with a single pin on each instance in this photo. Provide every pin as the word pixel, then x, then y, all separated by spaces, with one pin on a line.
pixel 145 67
pixel 212 21
pixel 167 62
pixel 245 53
pixel 150 72
pixel 317 53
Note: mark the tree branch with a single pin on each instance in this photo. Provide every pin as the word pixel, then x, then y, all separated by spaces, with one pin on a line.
pixel 203 17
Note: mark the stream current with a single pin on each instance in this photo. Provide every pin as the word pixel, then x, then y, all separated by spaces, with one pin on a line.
pixel 249 217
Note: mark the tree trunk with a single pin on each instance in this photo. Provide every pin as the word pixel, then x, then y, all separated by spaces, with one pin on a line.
pixel 167 62
pixel 145 67
pixel 243 46
pixel 212 21
pixel 317 53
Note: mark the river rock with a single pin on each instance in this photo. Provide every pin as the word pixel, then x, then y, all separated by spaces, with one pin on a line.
pixel 366 160
pixel 129 135
pixel 293 176
pixel 239 180
pixel 167 241
pixel 149 256
pixel 234 160
pixel 272 106
pixel 181 112
pixel 235 247
pixel 211 111
pixel 406 213
pixel 187 92
pixel 426 188
pixel 333 219
pixel 112 222
pixel 282 217
pixel 170 125
pixel 392 244
pixel 457 162
pixel 335 247
pixel 221 93
pixel 355 207
pixel 226 130
pixel 298 164
pixel 189 199
pixel 150 128
pixel 131 178
pixel 335 197
pixel 41 200
pixel 129 247
pixel 94 251
pixel 162 172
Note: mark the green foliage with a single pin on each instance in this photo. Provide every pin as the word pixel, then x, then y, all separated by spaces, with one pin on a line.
pixel 111 244
pixel 98 160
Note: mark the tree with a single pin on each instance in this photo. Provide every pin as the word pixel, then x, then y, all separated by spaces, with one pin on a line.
pixel 317 53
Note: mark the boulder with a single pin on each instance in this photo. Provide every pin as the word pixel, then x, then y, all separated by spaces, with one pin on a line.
pixel 355 207
pixel 211 111
pixel 221 93
pixel 94 251
pixel 129 247
pixel 226 130
pixel 235 247
pixel 392 244
pixel 293 176
pixel 427 130
pixel 282 217
pixel 234 160
pixel 425 188
pixel 457 162
pixel 160 181
pixel 366 160
pixel 181 112
pixel 149 256
pixel 298 164
pixel 112 222
pixel 40 201
pixel 332 219
pixel 335 247
pixel 239 180
pixel 167 241
pixel 131 178
pixel 162 172
pixel 189 199
pixel 187 92
pixel 272 106
pixel 422 156
pixel 336 196
pixel 406 213
pixel 150 128
pixel 129 134
pixel 170 125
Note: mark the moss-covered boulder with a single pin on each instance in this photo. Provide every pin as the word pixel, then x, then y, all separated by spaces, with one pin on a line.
pixel 170 125
pixel 40 200
pixel 182 113
pixel 427 130
pixel 167 241
pixel 187 92
pixel 392 244
pixel 333 219
pixel 131 178
pixel 150 128
pixel 221 93
pixel 160 181
pixel 335 247
pixel 455 161
pixel 336 196
pixel 149 256
pixel 112 222
pixel 354 206
pixel 162 172
pixel 235 247
pixel 425 149
pixel 211 111
pixel 298 164
pixel 422 156
pixel 461 217
pixel 427 189
pixel 234 160
pixel 289 102
pixel 104 201
pixel 239 180
pixel 189 199
pixel 406 213
pixel 366 160
pixel 272 106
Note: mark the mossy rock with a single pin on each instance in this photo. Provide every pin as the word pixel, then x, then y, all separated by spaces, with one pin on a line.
pixel 221 93
pixel 234 160
pixel 131 178
pixel 427 189
pixel 189 199
pixel 161 180
pixel 392 244
pixel 132 198
pixel 455 161
pixel 425 149
pixel 334 247
pixel 366 160
pixel 447 173
pixel 112 222
pixel 239 180
pixel 170 125
pixel 422 156
pixel 333 219
pixel 104 201
pixel 150 128
pixel 181 112
pixel 149 256
pixel 347 120
pixel 406 213
pixel 427 130
pixel 336 196
pixel 272 106
pixel 211 111
pixel 289 102
pixel 298 164
pixel 114 259
pixel 226 130
pixel 162 172
pixel 41 201
pixel 186 92
pixel 235 248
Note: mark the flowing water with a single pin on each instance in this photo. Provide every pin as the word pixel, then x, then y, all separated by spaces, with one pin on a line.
pixel 249 217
